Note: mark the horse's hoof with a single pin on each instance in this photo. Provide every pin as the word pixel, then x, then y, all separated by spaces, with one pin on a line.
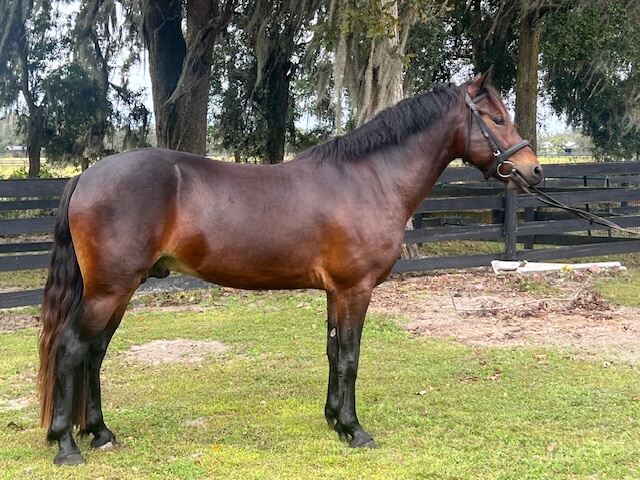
pixel 105 442
pixel 362 441
pixel 69 459
pixel 109 445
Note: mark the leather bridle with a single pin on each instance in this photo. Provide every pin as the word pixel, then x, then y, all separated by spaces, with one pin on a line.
pixel 501 157
pixel 500 154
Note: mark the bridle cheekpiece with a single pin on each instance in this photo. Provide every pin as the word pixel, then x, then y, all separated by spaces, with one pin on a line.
pixel 500 154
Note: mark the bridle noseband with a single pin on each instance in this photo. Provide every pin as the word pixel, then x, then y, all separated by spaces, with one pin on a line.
pixel 501 156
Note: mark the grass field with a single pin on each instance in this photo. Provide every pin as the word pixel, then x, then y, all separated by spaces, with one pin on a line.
pixel 623 290
pixel 256 413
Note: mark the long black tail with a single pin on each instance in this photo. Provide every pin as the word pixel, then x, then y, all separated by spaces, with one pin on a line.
pixel 61 303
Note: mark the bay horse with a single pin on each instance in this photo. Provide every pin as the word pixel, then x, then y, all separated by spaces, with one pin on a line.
pixel 331 219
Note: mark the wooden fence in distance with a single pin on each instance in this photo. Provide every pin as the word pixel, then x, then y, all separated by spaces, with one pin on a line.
pixel 463 206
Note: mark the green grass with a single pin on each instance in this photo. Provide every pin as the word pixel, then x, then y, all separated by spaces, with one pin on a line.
pixel 23 279
pixel 535 285
pixel 487 414
pixel 622 290
pixel 460 247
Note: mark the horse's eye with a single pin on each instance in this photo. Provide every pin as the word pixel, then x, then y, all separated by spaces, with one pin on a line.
pixel 499 120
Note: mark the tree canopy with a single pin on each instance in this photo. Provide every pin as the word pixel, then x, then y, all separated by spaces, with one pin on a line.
pixel 242 76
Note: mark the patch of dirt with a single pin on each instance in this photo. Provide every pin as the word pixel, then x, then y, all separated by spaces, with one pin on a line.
pixel 174 351
pixel 14 404
pixel 11 323
pixel 481 309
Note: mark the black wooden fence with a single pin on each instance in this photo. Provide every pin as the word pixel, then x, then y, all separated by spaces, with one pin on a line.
pixel 462 207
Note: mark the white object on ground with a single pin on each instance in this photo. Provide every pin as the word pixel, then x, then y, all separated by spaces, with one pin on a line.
pixel 522 266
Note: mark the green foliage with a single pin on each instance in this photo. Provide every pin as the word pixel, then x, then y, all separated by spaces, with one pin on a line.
pixel 482 34
pixel 33 42
pixel 303 139
pixel 73 98
pixel 262 45
pixel 558 140
pixel 592 57
pixel 236 127
pixel 22 173
pixel 57 69
pixel 427 62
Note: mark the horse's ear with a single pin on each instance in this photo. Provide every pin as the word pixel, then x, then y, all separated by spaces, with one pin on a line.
pixel 481 81
pixel 487 77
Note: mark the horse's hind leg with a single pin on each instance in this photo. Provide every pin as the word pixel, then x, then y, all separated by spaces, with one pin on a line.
pixel 102 436
pixel 71 354
pixel 72 386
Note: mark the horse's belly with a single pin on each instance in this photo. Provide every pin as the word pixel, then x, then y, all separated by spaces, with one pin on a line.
pixel 245 268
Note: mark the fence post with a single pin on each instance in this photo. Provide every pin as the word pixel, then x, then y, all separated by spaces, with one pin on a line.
pixel 529 216
pixel 417 221
pixel 510 223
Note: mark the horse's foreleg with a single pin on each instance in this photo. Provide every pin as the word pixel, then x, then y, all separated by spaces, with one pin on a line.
pixel 351 307
pixel 333 390
pixel 102 436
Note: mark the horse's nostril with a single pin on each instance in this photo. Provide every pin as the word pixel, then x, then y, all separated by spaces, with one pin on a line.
pixel 537 171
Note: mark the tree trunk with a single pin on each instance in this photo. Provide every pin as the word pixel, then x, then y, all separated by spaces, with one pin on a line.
pixel 33 150
pixel 276 108
pixel 35 122
pixel 35 134
pixel 180 67
pixel 527 77
pixel 167 49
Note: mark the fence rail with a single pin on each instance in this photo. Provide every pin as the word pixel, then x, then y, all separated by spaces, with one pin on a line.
pixel 463 206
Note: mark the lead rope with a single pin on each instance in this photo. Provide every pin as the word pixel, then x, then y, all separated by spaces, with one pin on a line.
pixel 552 202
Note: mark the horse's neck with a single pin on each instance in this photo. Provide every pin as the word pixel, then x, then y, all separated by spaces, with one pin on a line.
pixel 409 171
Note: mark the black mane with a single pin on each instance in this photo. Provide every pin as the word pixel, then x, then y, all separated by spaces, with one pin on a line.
pixel 391 126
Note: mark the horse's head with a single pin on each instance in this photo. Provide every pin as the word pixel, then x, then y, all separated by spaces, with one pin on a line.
pixel 491 141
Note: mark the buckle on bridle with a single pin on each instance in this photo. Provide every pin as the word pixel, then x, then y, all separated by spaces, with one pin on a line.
pixel 497 153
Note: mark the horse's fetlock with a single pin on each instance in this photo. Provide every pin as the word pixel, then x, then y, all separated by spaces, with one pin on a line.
pixel 57 429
